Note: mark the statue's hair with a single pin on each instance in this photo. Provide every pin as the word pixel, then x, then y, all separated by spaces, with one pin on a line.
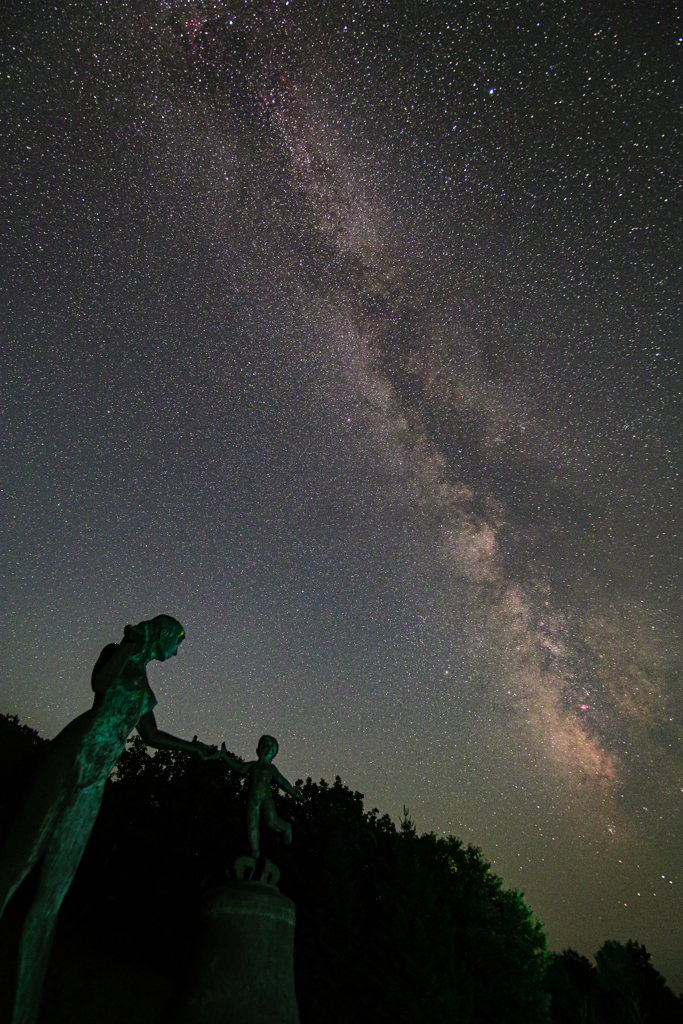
pixel 272 741
pixel 161 627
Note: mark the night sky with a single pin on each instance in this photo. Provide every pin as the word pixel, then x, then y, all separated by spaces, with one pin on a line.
pixel 350 335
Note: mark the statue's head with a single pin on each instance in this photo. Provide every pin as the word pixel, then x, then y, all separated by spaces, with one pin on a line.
pixel 267 748
pixel 162 636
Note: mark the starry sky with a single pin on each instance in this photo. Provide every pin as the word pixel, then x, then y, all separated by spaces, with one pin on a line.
pixel 350 335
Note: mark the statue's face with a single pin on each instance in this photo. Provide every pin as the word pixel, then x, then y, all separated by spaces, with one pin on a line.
pixel 168 648
pixel 266 750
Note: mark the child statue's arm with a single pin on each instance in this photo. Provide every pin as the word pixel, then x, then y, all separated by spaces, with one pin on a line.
pixel 237 766
pixel 281 781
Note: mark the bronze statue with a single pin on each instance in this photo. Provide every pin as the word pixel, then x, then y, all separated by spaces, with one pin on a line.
pixel 56 819
pixel 263 774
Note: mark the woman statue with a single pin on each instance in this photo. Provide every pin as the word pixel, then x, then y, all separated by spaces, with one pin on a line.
pixel 56 820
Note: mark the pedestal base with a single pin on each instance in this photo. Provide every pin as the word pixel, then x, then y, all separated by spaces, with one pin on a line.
pixel 244 972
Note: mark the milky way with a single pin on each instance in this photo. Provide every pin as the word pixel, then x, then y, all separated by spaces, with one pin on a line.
pixel 350 336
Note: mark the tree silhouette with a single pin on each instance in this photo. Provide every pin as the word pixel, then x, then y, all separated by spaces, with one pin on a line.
pixel 623 988
pixel 633 992
pixel 392 926
pixel 20 751
pixel 573 983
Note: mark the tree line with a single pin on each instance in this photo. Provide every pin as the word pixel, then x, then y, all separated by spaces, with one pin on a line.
pixel 392 926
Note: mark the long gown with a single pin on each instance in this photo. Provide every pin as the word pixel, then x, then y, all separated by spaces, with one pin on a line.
pixel 56 820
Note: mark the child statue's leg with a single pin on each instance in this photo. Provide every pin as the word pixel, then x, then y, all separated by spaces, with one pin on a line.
pixel 62 857
pixel 253 811
pixel 279 824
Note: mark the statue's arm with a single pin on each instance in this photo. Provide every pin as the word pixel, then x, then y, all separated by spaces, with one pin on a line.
pixel 237 766
pixel 105 674
pixel 281 781
pixel 155 737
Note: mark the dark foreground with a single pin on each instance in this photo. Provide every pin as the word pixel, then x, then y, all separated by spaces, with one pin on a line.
pixel 391 926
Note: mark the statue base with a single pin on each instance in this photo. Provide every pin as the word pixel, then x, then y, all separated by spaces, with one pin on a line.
pixel 244 971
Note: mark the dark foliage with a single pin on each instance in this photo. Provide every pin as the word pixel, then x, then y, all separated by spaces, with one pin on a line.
pixel 624 988
pixel 632 990
pixel 20 751
pixel 391 925
pixel 573 985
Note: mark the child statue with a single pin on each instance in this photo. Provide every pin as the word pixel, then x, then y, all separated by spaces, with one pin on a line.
pixel 263 774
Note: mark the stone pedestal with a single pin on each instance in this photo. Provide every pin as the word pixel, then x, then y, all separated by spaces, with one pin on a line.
pixel 244 973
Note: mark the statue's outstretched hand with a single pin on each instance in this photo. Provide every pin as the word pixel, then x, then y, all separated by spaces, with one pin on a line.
pixel 237 766
pixel 206 752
